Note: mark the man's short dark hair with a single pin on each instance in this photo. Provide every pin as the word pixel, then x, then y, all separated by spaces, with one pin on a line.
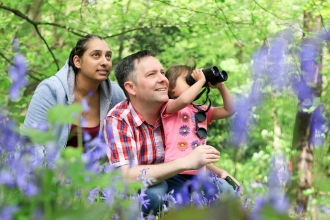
pixel 126 67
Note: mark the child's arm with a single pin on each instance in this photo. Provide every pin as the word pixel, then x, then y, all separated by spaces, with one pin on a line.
pixel 189 95
pixel 228 108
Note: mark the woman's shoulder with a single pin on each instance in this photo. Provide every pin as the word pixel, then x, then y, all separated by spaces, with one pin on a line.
pixel 114 85
pixel 116 90
pixel 51 85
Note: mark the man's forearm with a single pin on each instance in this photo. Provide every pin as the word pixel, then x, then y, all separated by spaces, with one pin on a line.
pixel 159 172
pixel 198 158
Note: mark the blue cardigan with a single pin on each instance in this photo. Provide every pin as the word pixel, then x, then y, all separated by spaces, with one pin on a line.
pixel 58 89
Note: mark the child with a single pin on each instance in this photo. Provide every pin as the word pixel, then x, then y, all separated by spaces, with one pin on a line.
pixel 185 123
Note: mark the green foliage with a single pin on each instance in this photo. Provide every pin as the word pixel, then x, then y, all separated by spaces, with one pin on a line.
pixel 67 113
pixel 222 33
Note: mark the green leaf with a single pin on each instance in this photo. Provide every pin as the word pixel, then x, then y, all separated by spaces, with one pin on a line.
pixel 62 114
pixel 308 192
pixel 95 211
pixel 37 136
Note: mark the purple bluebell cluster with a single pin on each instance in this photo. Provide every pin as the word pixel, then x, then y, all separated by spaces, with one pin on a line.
pixel 275 66
pixel 17 72
pixel 17 166
pixel 279 178
pixel 7 212
pixel 241 121
pixel 319 127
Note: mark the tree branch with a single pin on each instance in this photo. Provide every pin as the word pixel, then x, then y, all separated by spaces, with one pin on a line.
pixel 11 63
pixel 35 25
pixel 4 57
pixel 275 15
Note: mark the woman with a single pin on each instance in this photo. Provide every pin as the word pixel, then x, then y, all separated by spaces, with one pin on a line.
pixel 83 77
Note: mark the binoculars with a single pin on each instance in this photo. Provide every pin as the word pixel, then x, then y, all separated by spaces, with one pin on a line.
pixel 212 75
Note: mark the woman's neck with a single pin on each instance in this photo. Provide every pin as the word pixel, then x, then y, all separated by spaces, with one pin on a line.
pixel 84 88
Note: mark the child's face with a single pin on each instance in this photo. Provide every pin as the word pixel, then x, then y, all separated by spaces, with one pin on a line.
pixel 181 85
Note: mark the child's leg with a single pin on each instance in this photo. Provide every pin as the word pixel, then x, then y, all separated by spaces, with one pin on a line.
pixel 155 194
pixel 225 188
pixel 177 182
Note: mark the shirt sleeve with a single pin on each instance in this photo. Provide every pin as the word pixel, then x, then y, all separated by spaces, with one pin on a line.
pixel 162 112
pixel 119 138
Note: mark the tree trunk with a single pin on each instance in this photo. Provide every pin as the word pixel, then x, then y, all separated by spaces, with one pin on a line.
pixel 303 162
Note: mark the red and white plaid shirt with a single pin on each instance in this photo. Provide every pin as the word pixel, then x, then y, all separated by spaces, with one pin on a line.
pixel 131 139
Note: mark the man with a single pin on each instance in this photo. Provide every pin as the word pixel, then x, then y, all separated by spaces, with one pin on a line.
pixel 133 129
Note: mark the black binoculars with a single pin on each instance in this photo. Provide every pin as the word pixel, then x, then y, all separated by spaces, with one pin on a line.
pixel 212 75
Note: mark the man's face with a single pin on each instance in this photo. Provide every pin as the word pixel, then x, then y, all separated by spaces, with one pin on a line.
pixel 151 84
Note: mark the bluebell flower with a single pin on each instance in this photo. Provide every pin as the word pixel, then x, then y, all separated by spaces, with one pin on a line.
pixel 85 106
pixel 7 212
pixel 318 127
pixel 9 137
pixel 241 121
pixel 325 209
pixel 78 193
pixel 108 168
pixel 256 94
pixel 38 214
pixel 17 72
pixel 93 194
pixel 324 35
pixel 30 189
pixel 109 194
pixel 303 91
pixel 259 66
pixel 197 199
pixel 7 178
pixel 96 150
pixel 169 200
pixel 51 155
pixel 275 198
pixel 277 60
pixel 279 175
pixel 183 197
pixel 141 200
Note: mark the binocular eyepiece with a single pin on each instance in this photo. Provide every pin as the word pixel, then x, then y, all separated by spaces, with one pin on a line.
pixel 212 75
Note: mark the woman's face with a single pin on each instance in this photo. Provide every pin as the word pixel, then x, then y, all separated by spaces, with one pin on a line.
pixel 95 64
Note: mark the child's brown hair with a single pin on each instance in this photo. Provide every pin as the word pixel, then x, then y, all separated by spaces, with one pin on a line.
pixel 175 71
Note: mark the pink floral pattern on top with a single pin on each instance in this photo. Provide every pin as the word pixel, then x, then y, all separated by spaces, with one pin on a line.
pixel 182 145
pixel 184 130
pixel 195 144
pixel 185 117
pixel 180 132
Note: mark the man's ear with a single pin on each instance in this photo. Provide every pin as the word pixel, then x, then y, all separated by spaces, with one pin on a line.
pixel 130 88
pixel 77 61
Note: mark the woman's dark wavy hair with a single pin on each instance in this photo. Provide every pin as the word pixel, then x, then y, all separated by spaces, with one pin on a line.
pixel 80 49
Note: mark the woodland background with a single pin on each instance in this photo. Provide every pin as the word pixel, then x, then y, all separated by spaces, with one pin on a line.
pixel 225 33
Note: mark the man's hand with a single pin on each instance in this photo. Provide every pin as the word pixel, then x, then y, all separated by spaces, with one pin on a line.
pixel 201 156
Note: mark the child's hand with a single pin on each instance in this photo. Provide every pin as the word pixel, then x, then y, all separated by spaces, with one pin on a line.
pixel 239 188
pixel 217 86
pixel 198 75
